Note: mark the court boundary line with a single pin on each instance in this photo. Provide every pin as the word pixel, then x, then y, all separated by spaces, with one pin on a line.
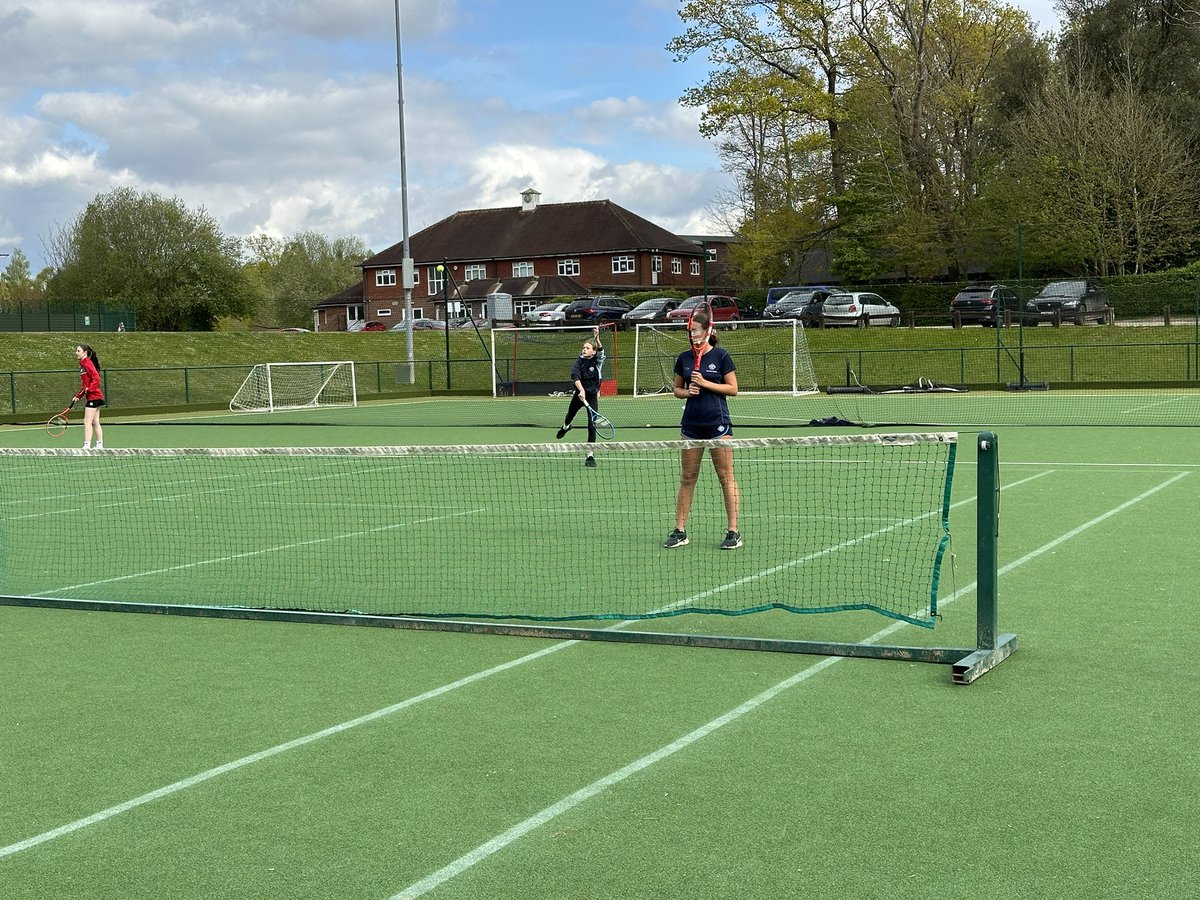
pixel 209 774
pixel 510 836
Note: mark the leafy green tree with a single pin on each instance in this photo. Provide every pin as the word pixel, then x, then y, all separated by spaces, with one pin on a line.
pixel 172 264
pixel 295 274
pixel 16 283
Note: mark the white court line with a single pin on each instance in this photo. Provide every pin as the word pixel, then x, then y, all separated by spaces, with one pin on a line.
pixel 336 729
pixel 501 841
pixel 209 774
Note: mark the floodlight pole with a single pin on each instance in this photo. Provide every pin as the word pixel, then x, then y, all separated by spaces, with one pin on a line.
pixel 406 266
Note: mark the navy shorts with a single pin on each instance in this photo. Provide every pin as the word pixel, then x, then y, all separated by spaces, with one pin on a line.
pixel 94 404
pixel 706 432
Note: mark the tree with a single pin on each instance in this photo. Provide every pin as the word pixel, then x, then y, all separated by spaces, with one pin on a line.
pixel 16 283
pixel 171 264
pixel 295 275
pixel 1107 179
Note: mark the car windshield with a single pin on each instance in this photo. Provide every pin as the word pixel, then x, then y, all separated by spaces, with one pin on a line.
pixel 1064 289
pixel 647 305
pixel 691 303
pixel 547 307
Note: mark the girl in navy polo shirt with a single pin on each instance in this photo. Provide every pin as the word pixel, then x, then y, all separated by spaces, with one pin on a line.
pixel 705 389
pixel 585 379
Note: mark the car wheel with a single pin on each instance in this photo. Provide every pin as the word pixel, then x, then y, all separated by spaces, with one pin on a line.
pixel 894 322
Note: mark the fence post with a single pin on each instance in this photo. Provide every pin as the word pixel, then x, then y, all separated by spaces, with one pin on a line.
pixel 1167 315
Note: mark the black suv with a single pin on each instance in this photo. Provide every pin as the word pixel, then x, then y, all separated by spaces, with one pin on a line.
pixel 1075 300
pixel 596 309
pixel 984 303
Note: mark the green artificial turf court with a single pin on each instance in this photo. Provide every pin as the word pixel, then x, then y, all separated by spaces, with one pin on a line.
pixel 149 756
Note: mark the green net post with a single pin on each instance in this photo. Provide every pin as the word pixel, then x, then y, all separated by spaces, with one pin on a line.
pixel 991 648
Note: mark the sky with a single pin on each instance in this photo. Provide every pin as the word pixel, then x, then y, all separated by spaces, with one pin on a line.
pixel 282 116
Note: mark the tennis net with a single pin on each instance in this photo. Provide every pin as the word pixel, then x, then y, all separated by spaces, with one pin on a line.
pixel 521 532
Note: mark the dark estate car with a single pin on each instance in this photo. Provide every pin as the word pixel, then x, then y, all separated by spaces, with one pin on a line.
pixel 984 303
pixel 1075 300
pixel 653 310
pixel 805 305
pixel 595 309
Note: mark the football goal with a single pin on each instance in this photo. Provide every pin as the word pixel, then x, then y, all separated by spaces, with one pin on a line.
pixel 274 386
pixel 771 356
pixel 536 361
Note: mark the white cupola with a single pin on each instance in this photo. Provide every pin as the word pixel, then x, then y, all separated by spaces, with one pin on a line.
pixel 529 200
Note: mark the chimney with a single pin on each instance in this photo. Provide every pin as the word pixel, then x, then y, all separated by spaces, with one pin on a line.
pixel 529 200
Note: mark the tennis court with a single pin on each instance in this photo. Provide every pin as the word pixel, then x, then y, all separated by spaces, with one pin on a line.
pixel 148 755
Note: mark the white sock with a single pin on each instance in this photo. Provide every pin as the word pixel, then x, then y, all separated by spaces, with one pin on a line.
pixel 99 445
pixel 87 445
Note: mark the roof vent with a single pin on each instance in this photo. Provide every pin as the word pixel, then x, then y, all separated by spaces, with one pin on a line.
pixel 529 200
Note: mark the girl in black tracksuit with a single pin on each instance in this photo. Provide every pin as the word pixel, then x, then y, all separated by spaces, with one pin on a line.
pixel 585 379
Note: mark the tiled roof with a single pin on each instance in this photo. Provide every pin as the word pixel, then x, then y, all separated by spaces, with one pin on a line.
pixel 552 229
pixel 352 294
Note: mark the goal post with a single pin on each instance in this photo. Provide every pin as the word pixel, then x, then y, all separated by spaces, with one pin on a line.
pixel 536 360
pixel 771 356
pixel 305 385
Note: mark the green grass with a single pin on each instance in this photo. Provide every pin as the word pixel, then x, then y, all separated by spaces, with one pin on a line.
pixel 1068 772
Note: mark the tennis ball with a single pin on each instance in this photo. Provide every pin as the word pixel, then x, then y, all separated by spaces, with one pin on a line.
pixel 441 268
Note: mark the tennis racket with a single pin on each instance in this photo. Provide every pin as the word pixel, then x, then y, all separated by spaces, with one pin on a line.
pixel 604 428
pixel 56 426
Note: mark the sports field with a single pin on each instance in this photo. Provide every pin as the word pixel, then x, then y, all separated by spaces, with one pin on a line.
pixel 150 756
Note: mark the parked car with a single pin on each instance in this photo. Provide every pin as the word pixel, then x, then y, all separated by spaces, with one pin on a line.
pixel 653 310
pixel 595 309
pixel 373 326
pixel 724 309
pixel 547 314
pixel 1076 300
pixel 804 305
pixel 476 322
pixel 420 323
pixel 858 308
pixel 984 303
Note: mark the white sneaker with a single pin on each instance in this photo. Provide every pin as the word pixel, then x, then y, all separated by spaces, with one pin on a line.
pixel 87 446
pixel 99 445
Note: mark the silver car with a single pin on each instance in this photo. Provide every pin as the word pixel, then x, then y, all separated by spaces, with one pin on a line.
pixel 858 308
pixel 547 314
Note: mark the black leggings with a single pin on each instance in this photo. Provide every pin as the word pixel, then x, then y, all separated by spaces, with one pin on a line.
pixel 577 405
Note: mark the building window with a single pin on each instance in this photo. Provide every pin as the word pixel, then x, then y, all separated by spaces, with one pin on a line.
pixel 437 280
pixel 523 270
pixel 383 312
pixel 656 263
pixel 622 264
pixel 475 271
pixel 385 278
pixel 712 254
pixel 695 267
pixel 676 265
pixel 568 267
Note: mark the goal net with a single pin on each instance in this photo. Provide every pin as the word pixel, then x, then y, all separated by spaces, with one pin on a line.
pixel 536 361
pixel 274 386
pixel 771 356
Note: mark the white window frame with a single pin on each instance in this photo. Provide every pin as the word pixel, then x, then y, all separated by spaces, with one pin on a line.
pixel 519 269
pixel 385 278
pixel 383 312
pixel 474 271
pixel 676 265
pixel 568 267
pixel 623 264
pixel 656 263
pixel 695 267
pixel 437 280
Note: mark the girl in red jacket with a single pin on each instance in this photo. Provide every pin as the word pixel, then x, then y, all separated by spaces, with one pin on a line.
pixel 89 377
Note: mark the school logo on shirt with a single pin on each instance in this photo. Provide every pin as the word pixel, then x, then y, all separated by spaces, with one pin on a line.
pixel 712 367
pixel 720 429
